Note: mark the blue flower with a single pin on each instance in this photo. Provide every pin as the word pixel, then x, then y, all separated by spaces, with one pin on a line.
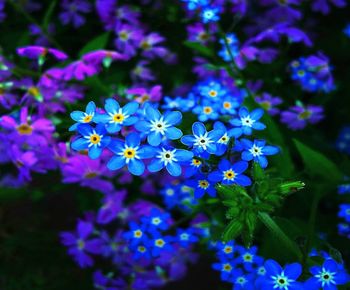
pixel 278 278
pixel 212 90
pixel 248 257
pixel 201 140
pixel 226 251
pixel 157 220
pixel 222 143
pixel 83 117
pixel 247 122
pixel 231 174
pixel 159 244
pixel 93 139
pixel 170 158
pixel 129 153
pixel 344 188
pixel 117 117
pixel 226 268
pixel 257 150
pixel 206 111
pixel 242 281
pixel 228 105
pixel 186 237
pixel 327 276
pixel 193 167
pixel 157 126
pixel 210 14
pixel 202 185
pixel 344 212
pixel 136 234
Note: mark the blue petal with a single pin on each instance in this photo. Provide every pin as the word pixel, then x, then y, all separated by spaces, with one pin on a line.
pixel 111 105
pixel 236 122
pixel 116 146
pixel 293 271
pixel 101 118
pixel 183 155
pixel 219 126
pixel 273 267
pixel 115 163
pixel 260 143
pixel 77 115
pixel 133 139
pixel 173 133
pixel 174 168
pixel 130 108
pixel 258 126
pixel 154 138
pixel 142 126
pixel 240 167
pixel 256 114
pixel 84 129
pixel 247 156
pixel 198 193
pixel 215 135
pixel 130 121
pixel 80 144
pixel 243 112
pixel 198 129
pixel 224 165
pixel 235 132
pixel 188 140
pixel 247 130
pixel 247 144
pixel 105 141
pixel 90 108
pixel 270 150
pixel 211 148
pixel 147 152
pixel 173 118
pixel 136 167
pixel 215 176
pixel 155 165
pixel 73 127
pixel 113 127
pixel 152 114
pixel 101 129
pixel 262 161
pixel 95 152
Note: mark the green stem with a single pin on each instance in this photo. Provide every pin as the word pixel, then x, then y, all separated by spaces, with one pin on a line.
pixel 31 19
pixel 277 231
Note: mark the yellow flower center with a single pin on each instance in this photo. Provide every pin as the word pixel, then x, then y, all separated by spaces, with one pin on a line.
pixel 34 91
pixel 118 118
pixel 207 110
pixel 228 250
pixel 129 153
pixel 141 249
pixel 230 174
pixel 203 184
pixel 90 175
pixel 227 267
pixel 305 115
pixel 196 162
pixel 227 105
pixel 87 119
pixel 145 45
pixel 213 93
pixel 160 243
pixel 137 234
pixel 24 129
pixel 95 139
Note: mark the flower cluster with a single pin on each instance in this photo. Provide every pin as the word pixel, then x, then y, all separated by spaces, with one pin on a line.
pixel 246 270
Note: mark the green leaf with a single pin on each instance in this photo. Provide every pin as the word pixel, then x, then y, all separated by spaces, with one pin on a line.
pixel 317 164
pixel 201 49
pixel 233 229
pixel 96 43
pixel 276 230
pixel 48 15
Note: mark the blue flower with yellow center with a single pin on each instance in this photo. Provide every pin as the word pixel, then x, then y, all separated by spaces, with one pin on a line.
pixel 116 117
pixel 83 117
pixel 257 151
pixel 93 139
pixel 156 126
pixel 129 153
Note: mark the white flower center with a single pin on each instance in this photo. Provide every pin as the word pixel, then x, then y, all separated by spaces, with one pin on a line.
pixel 255 150
pixel 202 141
pixel 159 126
pixel 167 156
pixel 247 121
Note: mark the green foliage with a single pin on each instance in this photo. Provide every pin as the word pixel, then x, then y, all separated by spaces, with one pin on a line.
pixel 96 43
pixel 201 49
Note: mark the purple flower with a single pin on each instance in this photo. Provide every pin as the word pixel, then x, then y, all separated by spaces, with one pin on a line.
pixel 41 39
pixel 297 117
pixel 199 33
pixel 128 38
pixel 149 46
pixel 104 57
pixel 40 53
pixel 112 206
pixel 268 103
pixel 142 73
pixel 80 245
pixel 89 173
pixel 72 11
pixel 24 161
pixel 323 6
pixel 143 95
pixel 78 70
